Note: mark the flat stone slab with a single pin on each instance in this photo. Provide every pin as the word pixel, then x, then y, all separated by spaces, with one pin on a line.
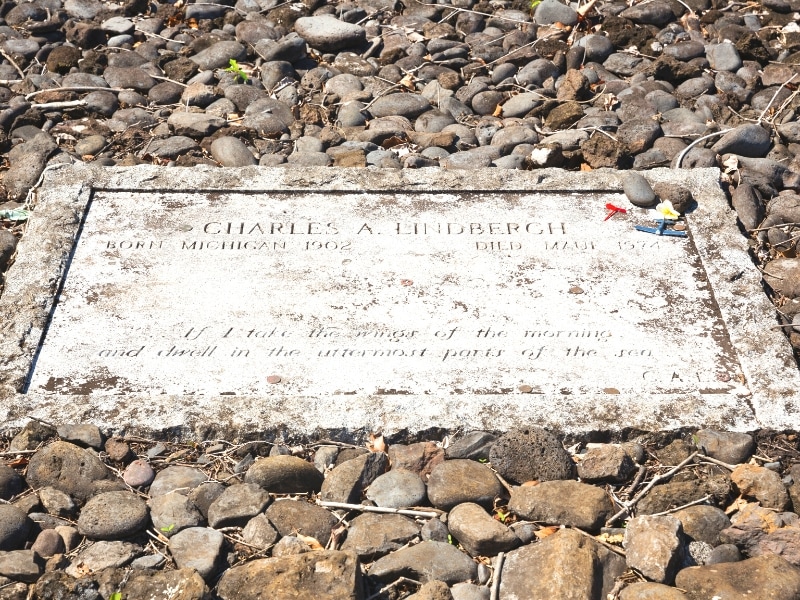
pixel 208 301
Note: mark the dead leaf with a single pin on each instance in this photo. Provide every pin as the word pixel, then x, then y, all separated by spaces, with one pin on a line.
pixel 611 538
pixel 530 483
pixel 376 443
pixel 585 167
pixel 736 506
pixel 407 82
pixel 312 542
pixel 546 531
pixel 498 111
pixel 392 142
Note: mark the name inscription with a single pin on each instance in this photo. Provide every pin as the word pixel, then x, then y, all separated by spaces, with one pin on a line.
pixel 360 299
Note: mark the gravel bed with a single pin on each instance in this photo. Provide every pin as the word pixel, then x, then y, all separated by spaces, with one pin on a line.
pixel 473 516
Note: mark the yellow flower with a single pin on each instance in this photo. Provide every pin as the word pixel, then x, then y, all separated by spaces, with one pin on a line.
pixel 667 211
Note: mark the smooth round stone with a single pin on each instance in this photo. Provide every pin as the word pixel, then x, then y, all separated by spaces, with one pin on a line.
pixel 251 32
pixel 165 92
pixel 138 473
pixel 662 101
pixel 536 72
pixel 24 46
pixel 433 121
pixel 14 527
pixel 553 11
pixel 11 483
pixel 343 84
pixel 512 161
pixel 176 479
pixel 171 147
pixel 746 140
pixel 90 145
pixel 118 26
pixel 397 489
pixel 309 159
pixel 113 515
pixel 128 77
pixel 723 57
pixel 350 114
pixel 219 55
pixel 521 104
pixel 435 153
pixel 638 190
pixel 308 144
pixel 102 103
pixel 597 47
pixel 657 12
pixel 118 41
pixel 48 543
pixel 409 106
pixel 685 51
pixel 486 103
pixel 329 34
pixel 231 152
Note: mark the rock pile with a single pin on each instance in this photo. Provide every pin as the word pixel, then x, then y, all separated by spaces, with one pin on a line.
pixel 88 518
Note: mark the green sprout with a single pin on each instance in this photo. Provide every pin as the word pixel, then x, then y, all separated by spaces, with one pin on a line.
pixel 237 70
pixel 535 3
pixel 168 528
pixel 115 596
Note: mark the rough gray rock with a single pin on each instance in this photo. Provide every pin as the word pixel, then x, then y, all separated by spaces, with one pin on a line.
pixel 455 481
pixel 346 482
pixel 198 548
pixel 478 532
pixel 771 575
pixel 325 575
pixel 531 454
pixel 113 515
pixel 284 475
pixel 567 564
pixel 371 536
pixel 564 503
pixel 290 517
pixel 426 561
pixel 237 505
pixel 653 546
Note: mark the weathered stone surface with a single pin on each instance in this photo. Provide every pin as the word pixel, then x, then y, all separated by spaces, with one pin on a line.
pixel 348 480
pixel 608 462
pixel 237 505
pixel 762 484
pixel 284 475
pixel 14 527
pixel 730 447
pixel 568 566
pixel 650 591
pixel 180 584
pixel 531 454
pixel 71 469
pixel 294 516
pixel 198 548
pixel 325 575
pixel 456 481
pixel 562 502
pixel 173 512
pixel 113 514
pixel 654 547
pixel 419 458
pixel 478 532
pixel 771 575
pixel 102 555
pixel 426 561
pixel 703 523
pixel 371 536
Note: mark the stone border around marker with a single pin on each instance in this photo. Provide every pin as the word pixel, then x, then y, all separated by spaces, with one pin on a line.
pixel 766 358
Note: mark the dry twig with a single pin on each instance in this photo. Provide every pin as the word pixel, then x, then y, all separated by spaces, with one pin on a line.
pixel 629 505
pixel 379 509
